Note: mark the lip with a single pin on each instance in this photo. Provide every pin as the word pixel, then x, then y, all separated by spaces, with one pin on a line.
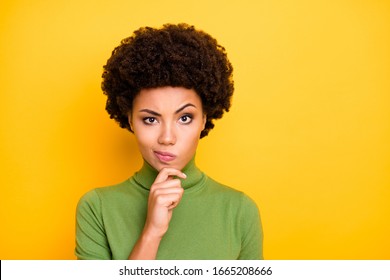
pixel 164 156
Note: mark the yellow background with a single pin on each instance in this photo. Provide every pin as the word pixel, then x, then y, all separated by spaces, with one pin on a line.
pixel 307 137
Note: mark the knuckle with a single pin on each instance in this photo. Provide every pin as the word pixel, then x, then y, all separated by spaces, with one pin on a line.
pixel 165 170
pixel 153 188
pixel 160 199
pixel 157 192
pixel 176 182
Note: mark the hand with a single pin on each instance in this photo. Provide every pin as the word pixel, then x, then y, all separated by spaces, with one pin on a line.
pixel 165 194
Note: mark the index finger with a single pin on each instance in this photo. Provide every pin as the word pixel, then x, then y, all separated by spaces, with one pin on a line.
pixel 167 172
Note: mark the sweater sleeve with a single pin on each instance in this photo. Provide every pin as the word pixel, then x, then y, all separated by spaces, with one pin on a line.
pixel 251 231
pixel 91 240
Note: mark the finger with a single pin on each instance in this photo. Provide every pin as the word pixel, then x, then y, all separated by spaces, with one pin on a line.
pixel 163 191
pixel 169 173
pixel 173 183
pixel 166 173
pixel 173 205
pixel 158 198
pixel 168 200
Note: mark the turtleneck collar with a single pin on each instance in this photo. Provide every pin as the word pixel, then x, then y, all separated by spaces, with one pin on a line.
pixel 147 174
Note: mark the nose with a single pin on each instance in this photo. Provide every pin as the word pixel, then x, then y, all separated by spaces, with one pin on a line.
pixel 167 135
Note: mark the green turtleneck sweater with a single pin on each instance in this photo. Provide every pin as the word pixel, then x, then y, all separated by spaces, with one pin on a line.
pixel 212 221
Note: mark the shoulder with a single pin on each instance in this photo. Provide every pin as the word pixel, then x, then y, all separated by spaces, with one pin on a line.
pixel 119 188
pixel 95 196
pixel 230 194
pixel 88 199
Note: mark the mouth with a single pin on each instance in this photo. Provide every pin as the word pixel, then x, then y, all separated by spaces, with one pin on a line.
pixel 164 156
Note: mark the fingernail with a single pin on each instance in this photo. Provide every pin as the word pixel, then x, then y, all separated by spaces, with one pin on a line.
pixel 185 176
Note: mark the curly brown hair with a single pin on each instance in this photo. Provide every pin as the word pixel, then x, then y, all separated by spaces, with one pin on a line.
pixel 174 55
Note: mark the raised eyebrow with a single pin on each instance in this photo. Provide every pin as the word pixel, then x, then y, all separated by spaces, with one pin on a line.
pixel 176 112
pixel 150 112
pixel 183 107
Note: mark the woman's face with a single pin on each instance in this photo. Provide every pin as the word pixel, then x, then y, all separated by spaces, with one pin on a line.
pixel 167 123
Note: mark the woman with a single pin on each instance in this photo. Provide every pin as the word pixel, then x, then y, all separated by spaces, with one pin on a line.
pixel 167 86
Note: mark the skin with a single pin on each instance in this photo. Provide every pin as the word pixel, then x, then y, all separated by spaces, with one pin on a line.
pixel 167 123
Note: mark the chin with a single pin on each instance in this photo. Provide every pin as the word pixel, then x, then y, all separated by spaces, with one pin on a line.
pixel 160 166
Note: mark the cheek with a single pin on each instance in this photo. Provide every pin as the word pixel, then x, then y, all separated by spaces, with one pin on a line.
pixel 191 139
pixel 144 139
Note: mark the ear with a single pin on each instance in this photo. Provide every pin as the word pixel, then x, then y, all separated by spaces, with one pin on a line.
pixel 130 120
pixel 204 121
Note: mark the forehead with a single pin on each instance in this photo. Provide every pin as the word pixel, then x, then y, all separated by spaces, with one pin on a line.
pixel 166 98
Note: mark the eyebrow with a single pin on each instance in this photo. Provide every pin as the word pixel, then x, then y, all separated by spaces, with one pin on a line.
pixel 176 112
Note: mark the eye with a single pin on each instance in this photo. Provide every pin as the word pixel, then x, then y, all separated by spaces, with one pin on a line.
pixel 150 120
pixel 186 119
